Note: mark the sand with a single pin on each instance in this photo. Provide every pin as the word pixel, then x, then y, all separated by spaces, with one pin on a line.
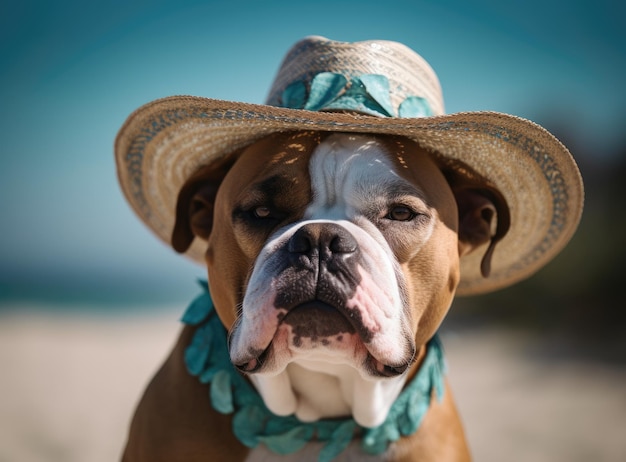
pixel 68 386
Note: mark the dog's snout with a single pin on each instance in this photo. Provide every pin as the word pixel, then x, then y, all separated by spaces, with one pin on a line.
pixel 323 239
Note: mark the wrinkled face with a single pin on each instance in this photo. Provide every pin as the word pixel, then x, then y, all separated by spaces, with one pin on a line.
pixel 339 248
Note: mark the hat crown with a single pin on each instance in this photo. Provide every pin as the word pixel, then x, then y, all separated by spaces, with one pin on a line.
pixel 375 77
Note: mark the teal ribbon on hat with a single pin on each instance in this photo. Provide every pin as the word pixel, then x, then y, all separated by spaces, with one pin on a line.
pixel 207 358
pixel 367 93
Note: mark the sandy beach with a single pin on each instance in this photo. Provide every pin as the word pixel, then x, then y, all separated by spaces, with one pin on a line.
pixel 69 385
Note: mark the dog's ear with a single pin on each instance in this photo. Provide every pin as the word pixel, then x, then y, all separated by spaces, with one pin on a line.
pixel 194 208
pixel 483 215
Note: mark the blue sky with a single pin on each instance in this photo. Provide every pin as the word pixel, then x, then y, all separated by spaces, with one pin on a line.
pixel 71 72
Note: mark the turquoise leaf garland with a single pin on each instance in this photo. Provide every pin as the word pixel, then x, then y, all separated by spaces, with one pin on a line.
pixel 367 93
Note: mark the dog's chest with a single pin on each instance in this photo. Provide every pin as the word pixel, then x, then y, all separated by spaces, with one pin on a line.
pixel 310 453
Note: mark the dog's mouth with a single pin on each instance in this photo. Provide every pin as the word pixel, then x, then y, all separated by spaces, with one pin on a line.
pixel 318 325
pixel 317 321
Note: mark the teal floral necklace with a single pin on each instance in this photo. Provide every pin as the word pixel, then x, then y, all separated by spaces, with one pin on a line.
pixel 207 358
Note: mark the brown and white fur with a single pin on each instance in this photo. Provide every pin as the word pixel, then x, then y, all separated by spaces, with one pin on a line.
pixel 332 259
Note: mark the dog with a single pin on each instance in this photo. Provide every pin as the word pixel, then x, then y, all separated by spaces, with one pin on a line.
pixel 332 260
pixel 336 223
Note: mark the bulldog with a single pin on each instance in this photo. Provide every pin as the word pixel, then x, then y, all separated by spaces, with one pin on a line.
pixel 332 259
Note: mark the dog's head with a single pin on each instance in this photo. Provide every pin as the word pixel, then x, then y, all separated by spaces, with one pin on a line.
pixel 334 250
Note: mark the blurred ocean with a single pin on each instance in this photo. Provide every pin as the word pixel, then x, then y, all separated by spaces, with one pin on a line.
pixel 73 71
pixel 94 291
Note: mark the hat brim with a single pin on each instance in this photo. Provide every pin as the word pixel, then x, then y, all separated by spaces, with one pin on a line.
pixel 164 142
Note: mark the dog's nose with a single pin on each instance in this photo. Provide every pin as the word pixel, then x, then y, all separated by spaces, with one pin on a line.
pixel 323 239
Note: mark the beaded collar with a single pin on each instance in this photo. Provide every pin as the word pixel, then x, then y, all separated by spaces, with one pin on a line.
pixel 207 358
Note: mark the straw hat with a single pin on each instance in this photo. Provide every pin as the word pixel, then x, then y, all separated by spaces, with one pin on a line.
pixel 377 87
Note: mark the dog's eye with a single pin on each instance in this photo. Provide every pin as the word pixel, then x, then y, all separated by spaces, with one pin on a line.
pixel 401 213
pixel 261 211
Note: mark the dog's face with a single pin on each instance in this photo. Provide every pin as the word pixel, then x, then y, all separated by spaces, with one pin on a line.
pixel 340 250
